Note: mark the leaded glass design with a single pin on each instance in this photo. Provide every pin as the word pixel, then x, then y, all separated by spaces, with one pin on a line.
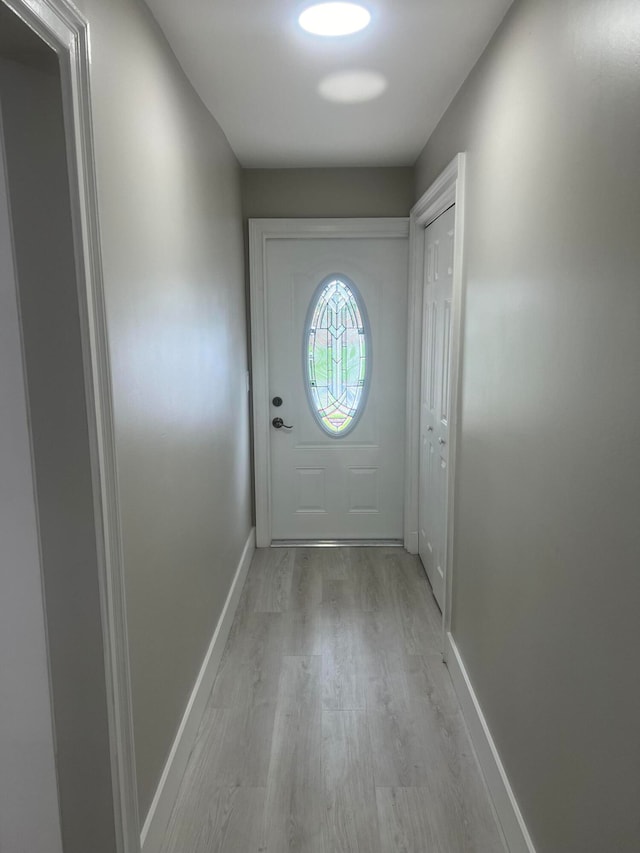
pixel 337 356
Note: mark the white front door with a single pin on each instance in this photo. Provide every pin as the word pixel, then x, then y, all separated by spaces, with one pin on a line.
pixel 336 324
pixel 435 398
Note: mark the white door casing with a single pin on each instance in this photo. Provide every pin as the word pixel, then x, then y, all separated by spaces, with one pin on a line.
pixel 435 398
pixel 309 485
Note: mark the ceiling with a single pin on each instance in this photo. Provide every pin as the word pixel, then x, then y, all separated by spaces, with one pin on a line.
pixel 258 73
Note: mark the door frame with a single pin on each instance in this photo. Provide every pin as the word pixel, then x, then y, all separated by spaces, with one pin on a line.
pixel 446 190
pixel 59 24
pixel 260 232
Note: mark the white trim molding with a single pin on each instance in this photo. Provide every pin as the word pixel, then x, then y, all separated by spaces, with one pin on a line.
pixel 447 190
pixel 511 820
pixel 157 821
pixel 59 24
pixel 260 232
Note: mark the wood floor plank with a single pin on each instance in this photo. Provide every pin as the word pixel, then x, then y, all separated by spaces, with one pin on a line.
pixel 404 822
pixel 306 583
pixel 350 815
pixel 417 728
pixel 344 682
pixel 233 746
pixel 273 584
pixel 460 813
pixel 379 631
pixel 249 672
pixel 394 678
pixel 370 578
pixel 412 820
pixel 304 632
pixel 293 805
pixel 428 678
pixel 299 687
pixel 340 627
pixel 334 563
pixel 459 804
pixel 412 722
pixel 425 603
pixel 293 810
pixel 387 686
pixel 225 820
pixel 414 606
pixel 340 595
pixel 400 749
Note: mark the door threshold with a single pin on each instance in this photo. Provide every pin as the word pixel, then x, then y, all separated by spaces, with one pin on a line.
pixel 337 543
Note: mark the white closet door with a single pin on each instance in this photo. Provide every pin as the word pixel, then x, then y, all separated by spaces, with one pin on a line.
pixel 435 398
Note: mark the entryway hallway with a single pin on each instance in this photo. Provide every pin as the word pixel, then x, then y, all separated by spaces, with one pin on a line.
pixel 333 724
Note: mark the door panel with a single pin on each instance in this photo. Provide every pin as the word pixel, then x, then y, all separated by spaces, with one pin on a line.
pixel 326 487
pixel 436 399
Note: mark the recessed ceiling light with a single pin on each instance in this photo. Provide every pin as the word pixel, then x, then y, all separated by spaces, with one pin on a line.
pixel 334 19
pixel 352 87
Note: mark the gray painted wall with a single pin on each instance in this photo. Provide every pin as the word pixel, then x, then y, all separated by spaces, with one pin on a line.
pixel 45 266
pixel 547 580
pixel 304 193
pixel 169 198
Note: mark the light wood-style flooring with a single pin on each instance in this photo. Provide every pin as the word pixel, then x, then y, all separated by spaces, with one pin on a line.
pixel 332 726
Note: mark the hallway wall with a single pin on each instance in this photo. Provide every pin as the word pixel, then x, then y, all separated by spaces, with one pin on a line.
pixel 546 583
pixel 304 193
pixel 169 198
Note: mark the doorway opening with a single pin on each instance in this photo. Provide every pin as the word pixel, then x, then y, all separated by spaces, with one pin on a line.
pixel 55 390
pixel 329 456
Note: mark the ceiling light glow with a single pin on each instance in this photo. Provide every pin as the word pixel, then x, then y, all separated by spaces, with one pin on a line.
pixel 352 87
pixel 334 19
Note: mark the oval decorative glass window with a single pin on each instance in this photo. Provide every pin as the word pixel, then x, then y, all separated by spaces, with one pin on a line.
pixel 337 353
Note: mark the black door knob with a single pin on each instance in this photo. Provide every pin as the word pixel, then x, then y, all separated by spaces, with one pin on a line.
pixel 278 423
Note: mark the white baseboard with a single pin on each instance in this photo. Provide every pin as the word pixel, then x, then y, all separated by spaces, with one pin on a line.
pixel 155 825
pixel 509 814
